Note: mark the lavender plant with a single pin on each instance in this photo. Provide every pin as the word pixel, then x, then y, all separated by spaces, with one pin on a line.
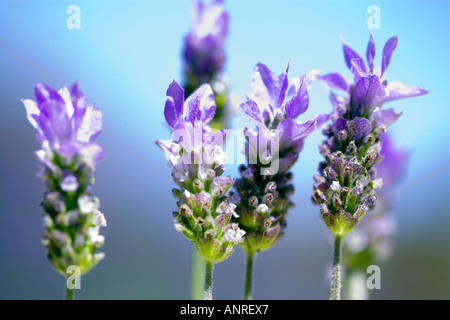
pixel 263 191
pixel 204 55
pixel 66 128
pixel 204 59
pixel 197 160
pixel 345 186
pixel 372 242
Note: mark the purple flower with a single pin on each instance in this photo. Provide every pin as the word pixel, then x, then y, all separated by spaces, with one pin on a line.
pixel 353 148
pixel 393 167
pixel 192 139
pixel 65 122
pixel 197 160
pixel 370 89
pixel 264 189
pixel 203 53
pixel 272 106
pixel 67 127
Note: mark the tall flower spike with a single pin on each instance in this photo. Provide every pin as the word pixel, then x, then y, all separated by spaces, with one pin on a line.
pixel 263 191
pixel 66 128
pixel 204 55
pixel 371 243
pixel 197 160
pixel 345 186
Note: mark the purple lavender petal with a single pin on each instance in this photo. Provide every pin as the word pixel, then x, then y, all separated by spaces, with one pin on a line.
pixel 334 81
pixel 93 153
pixel 200 105
pixel 291 131
pixel 367 94
pixel 215 138
pixel 252 112
pixel 359 128
pixel 276 87
pixel 91 125
pixel 167 147
pixel 357 70
pixel 68 148
pixel 350 54
pixel 384 117
pixel 44 93
pixel 32 112
pixel 299 102
pixel 370 53
pixel 320 119
pixel 79 103
pixel 388 49
pixel 397 90
pixel 53 121
pixel 173 110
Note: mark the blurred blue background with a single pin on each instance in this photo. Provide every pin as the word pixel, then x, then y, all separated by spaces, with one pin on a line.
pixel 126 54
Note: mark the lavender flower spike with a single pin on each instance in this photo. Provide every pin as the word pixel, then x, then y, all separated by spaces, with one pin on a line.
pixel 371 243
pixel 197 160
pixel 204 55
pixel 66 128
pixel 345 186
pixel 263 191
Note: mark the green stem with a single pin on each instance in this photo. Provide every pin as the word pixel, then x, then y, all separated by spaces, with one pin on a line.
pixel 336 278
pixel 69 293
pixel 197 274
pixel 248 276
pixel 208 280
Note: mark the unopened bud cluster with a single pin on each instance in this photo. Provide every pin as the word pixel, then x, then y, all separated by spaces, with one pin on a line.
pixel 344 189
pixel 71 217
pixel 263 203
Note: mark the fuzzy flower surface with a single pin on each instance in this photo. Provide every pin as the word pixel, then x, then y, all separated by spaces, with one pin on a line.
pixel 197 161
pixel 66 128
pixel 345 185
pixel 263 191
pixel 204 55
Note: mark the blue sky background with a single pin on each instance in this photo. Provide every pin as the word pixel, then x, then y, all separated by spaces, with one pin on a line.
pixel 127 53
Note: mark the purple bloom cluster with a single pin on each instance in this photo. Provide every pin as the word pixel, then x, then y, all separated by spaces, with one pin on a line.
pixel 262 193
pixel 197 160
pixel 204 53
pixel 66 128
pixel 344 187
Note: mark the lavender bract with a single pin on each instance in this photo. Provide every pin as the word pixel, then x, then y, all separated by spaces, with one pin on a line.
pixel 344 187
pixel 263 191
pixel 66 128
pixel 197 160
pixel 204 55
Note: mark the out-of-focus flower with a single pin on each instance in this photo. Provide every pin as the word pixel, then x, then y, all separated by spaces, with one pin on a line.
pixel 66 128
pixel 204 54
